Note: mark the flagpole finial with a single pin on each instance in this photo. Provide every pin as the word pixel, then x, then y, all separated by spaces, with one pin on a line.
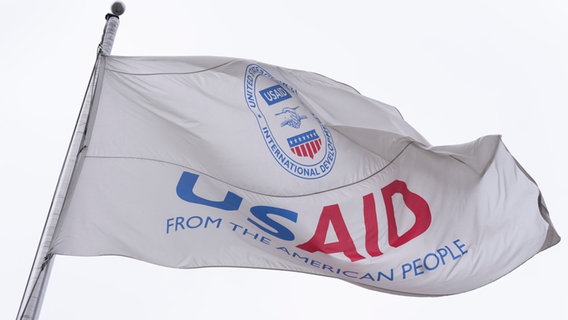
pixel 111 26
pixel 117 8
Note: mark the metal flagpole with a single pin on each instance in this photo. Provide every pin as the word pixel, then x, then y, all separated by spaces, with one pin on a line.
pixel 37 281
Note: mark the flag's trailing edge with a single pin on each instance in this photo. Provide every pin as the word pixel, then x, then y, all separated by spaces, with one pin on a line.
pixel 200 161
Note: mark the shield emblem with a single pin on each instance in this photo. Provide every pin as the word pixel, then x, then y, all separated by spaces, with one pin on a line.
pixel 306 144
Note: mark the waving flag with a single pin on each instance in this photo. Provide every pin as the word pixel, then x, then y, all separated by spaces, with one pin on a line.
pixel 198 161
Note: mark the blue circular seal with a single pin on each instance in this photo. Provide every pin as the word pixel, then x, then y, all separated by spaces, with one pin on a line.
pixel 294 136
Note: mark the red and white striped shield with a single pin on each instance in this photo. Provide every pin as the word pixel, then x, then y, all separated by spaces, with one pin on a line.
pixel 306 144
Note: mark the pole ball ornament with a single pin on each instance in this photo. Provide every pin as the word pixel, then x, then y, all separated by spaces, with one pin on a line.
pixel 117 8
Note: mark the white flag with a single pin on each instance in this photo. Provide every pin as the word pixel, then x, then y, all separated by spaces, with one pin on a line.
pixel 193 162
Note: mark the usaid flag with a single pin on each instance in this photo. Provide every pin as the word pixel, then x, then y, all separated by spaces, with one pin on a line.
pixel 198 161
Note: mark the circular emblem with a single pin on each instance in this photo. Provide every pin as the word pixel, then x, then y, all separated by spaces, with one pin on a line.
pixel 295 137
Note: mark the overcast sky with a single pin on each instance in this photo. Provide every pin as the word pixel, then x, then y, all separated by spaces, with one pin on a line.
pixel 456 70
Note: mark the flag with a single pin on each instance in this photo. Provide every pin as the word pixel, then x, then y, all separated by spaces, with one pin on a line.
pixel 193 162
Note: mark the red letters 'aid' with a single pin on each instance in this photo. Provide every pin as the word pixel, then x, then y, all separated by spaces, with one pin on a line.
pixel 331 215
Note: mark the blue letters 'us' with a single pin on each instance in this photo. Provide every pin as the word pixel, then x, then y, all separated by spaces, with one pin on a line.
pixel 184 190
pixel 232 202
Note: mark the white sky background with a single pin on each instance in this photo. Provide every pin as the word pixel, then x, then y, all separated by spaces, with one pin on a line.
pixel 456 70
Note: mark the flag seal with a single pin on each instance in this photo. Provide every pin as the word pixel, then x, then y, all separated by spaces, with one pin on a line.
pixel 294 136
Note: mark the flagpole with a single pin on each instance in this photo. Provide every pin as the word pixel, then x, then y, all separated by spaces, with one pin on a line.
pixel 39 275
pixel 111 27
